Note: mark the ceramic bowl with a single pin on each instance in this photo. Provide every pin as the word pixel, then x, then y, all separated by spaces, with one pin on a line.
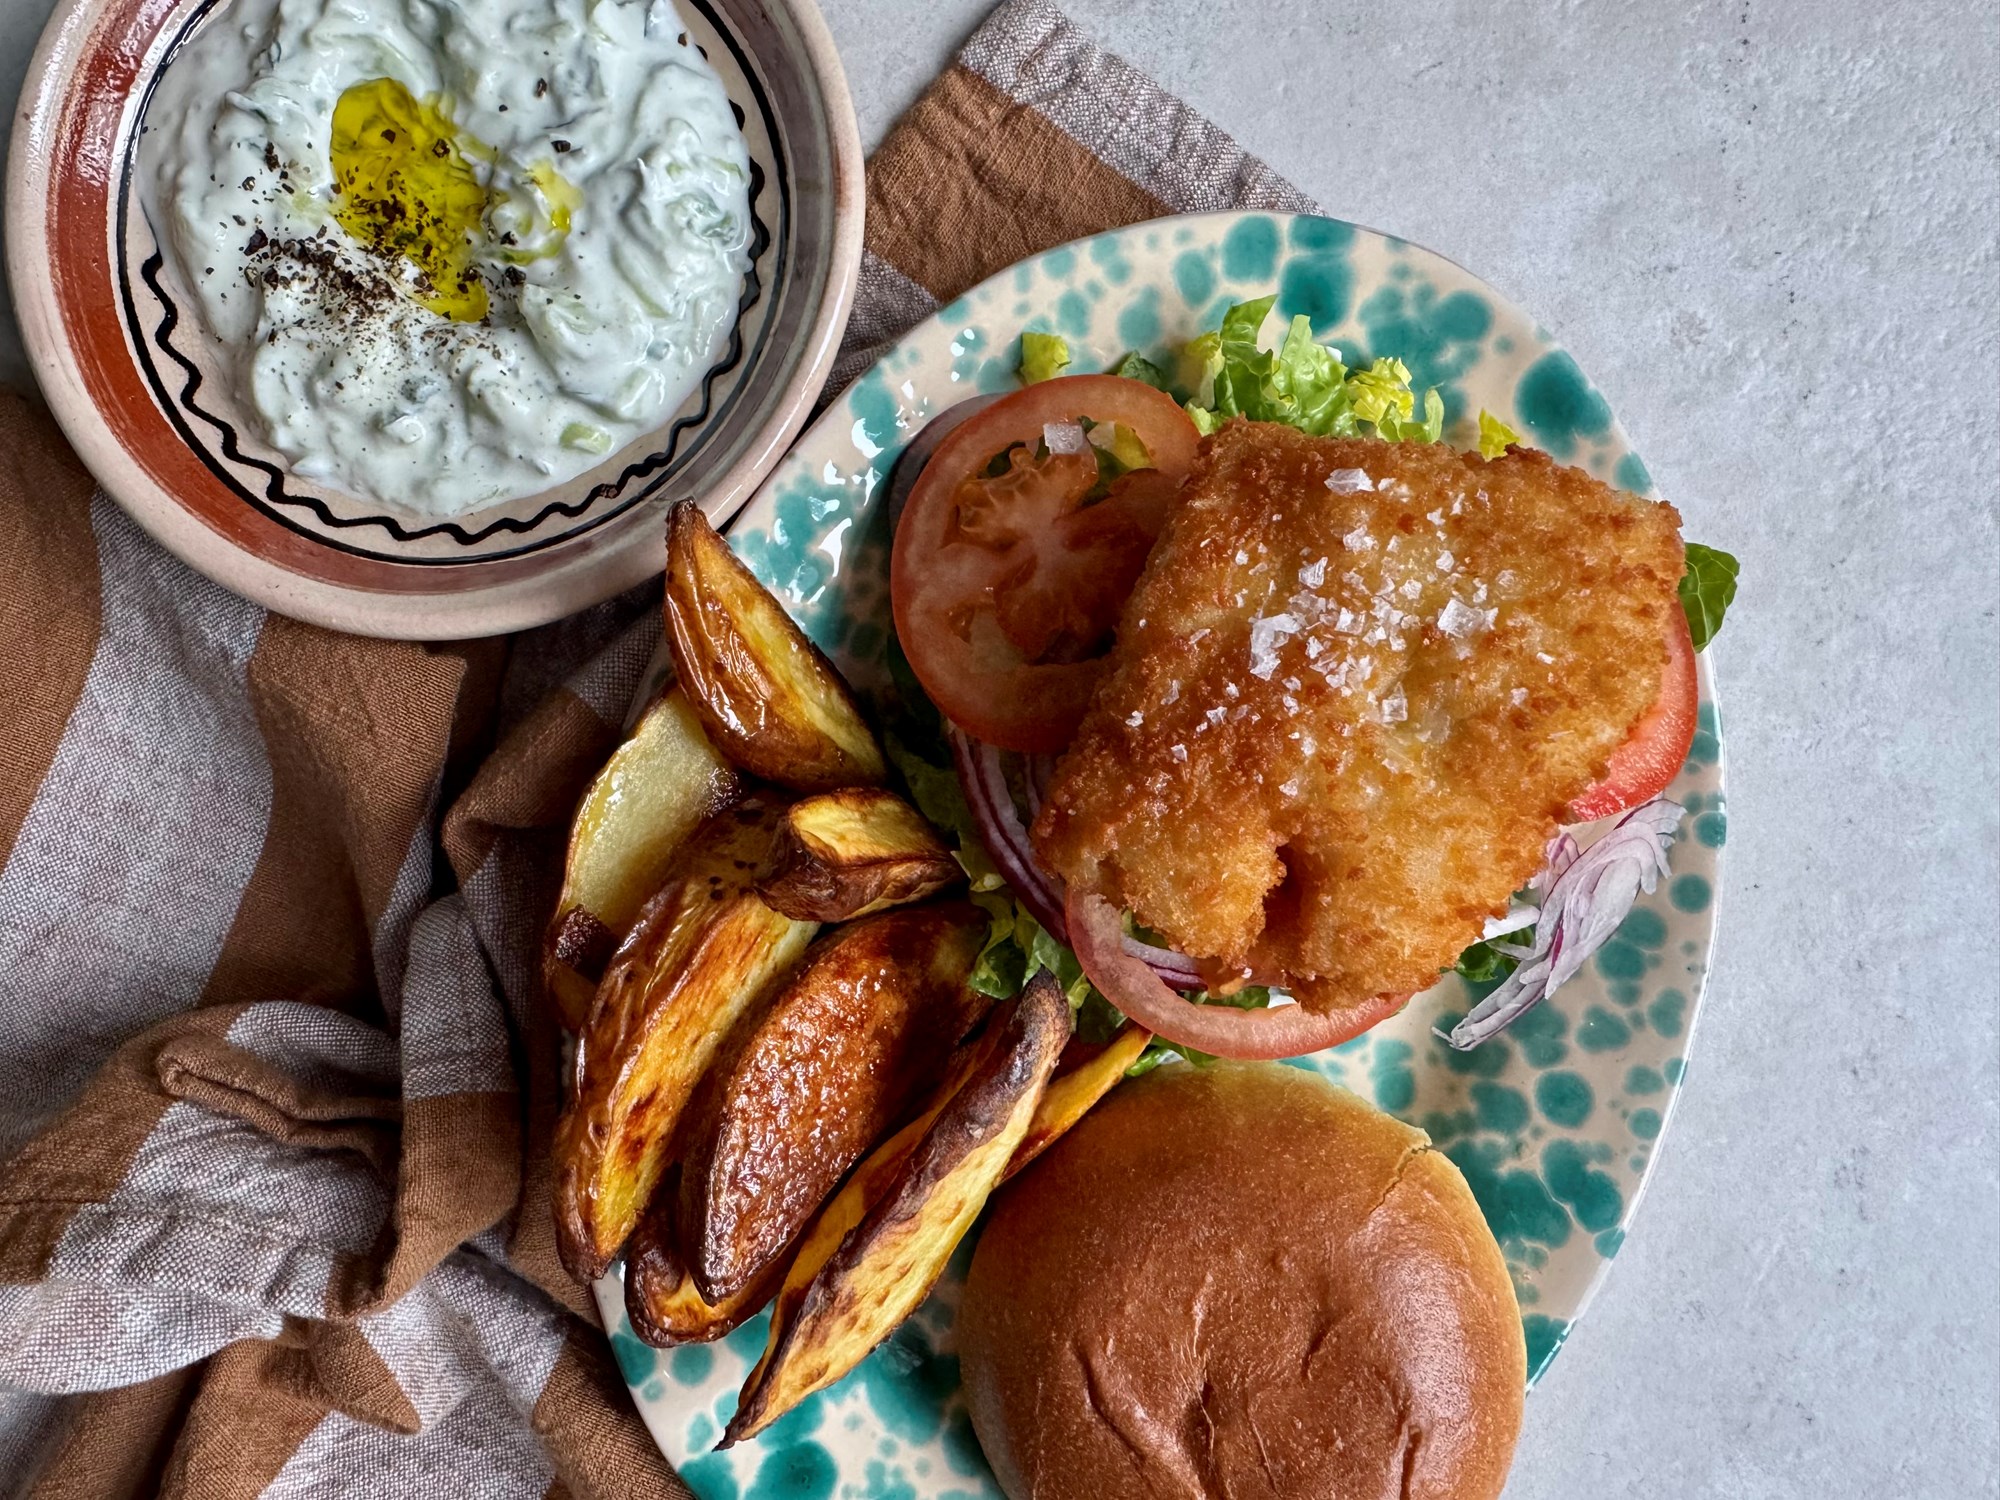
pixel 114 348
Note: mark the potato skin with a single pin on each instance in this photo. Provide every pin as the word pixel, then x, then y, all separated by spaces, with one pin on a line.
pixel 880 1245
pixel 766 695
pixel 661 1300
pixel 704 953
pixel 860 1031
pixel 854 852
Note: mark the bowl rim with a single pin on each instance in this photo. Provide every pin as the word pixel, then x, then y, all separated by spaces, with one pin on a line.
pixel 596 570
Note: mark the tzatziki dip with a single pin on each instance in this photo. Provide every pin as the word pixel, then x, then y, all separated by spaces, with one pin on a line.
pixel 455 252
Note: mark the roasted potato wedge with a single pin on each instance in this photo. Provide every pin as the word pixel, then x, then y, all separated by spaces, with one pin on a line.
pixel 767 696
pixel 705 952
pixel 651 794
pixel 661 1298
pixel 1070 1096
pixel 867 1264
pixel 851 1042
pixel 848 853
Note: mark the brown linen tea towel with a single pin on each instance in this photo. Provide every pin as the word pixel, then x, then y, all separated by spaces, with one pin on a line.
pixel 276 1082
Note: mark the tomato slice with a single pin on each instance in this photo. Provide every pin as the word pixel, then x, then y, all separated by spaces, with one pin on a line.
pixel 1652 755
pixel 1011 561
pixel 1281 1031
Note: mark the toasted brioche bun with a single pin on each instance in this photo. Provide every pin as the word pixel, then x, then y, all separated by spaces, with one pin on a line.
pixel 1244 1281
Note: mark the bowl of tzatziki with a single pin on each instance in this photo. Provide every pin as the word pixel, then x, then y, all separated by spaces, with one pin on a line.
pixel 412 318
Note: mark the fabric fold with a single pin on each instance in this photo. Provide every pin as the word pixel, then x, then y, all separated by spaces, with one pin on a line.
pixel 277 1081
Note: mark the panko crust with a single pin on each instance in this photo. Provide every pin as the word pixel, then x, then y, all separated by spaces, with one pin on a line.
pixel 1341 723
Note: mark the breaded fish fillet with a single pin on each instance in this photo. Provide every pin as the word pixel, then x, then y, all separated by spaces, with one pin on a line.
pixel 1351 694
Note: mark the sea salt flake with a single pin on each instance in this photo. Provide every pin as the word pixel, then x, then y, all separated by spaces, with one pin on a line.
pixel 1349 623
pixel 1460 620
pixel 1290 788
pixel 1180 753
pixel 1545 659
pixel 1065 437
pixel 1315 575
pixel 1230 691
pixel 1436 518
pixel 1242 557
pixel 1349 481
pixel 1395 708
pixel 1518 697
pixel 1446 562
pixel 1358 540
pixel 1173 692
pixel 1411 588
pixel 1135 718
pixel 1216 715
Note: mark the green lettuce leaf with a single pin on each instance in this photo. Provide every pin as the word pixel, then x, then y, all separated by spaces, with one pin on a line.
pixel 1494 435
pixel 1138 367
pixel 1707 589
pixel 1303 384
pixel 1043 357
pixel 1480 964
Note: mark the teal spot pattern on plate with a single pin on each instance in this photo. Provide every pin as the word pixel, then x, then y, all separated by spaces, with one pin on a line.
pixel 798 1471
pixel 712 1476
pixel 1557 1195
pixel 909 1384
pixel 1139 323
pixel 1643 1082
pixel 1558 406
pixel 691 1363
pixel 1395 1084
pixel 1602 1031
pixel 1545 1336
pixel 1499 1108
pixel 1073 315
pixel 1250 249
pixel 1665 1013
pixel 1194 277
pixel 1589 1194
pixel 1318 286
pixel 1564 1098
pixel 636 1359
pixel 1689 892
pixel 1631 475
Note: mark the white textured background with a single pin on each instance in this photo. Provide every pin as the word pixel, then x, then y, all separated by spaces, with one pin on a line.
pixel 1768 232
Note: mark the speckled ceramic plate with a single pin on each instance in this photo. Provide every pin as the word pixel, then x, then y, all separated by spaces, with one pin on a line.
pixel 144 398
pixel 1556 1125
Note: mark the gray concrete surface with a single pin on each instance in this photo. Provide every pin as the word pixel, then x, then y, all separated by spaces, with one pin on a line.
pixel 1768 230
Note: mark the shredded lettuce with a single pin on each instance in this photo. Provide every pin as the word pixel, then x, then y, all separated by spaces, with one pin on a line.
pixel 1495 436
pixel 1138 367
pixel 1707 589
pixel 1303 384
pixel 1480 964
pixel 1043 357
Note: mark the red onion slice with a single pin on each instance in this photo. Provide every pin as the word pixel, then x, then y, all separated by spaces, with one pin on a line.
pixel 1097 932
pixel 982 772
pixel 1585 896
pixel 917 452
pixel 985 784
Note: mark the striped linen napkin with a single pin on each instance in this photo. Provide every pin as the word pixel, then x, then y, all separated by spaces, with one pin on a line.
pixel 276 1083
